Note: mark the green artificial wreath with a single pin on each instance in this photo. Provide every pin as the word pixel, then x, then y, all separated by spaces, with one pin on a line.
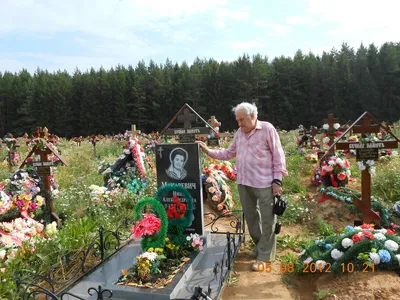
pixel 322 249
pixel 156 240
pixel 173 187
pixel 346 195
pixel 177 227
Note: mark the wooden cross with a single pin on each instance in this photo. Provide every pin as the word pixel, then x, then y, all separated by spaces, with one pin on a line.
pixel 366 126
pixel 367 151
pixel 43 168
pixel 133 131
pixel 186 118
pixel 331 133
pixel 39 133
pixel 12 147
pixel 314 131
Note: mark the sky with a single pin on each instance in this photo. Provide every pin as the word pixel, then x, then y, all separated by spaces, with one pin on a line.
pixel 69 34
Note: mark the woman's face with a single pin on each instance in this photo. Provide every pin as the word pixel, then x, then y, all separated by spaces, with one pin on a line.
pixel 178 162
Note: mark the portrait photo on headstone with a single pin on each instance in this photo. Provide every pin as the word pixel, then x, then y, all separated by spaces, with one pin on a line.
pixel 178 158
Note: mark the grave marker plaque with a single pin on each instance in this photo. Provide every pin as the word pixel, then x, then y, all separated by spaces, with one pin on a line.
pixel 367 154
pixel 180 163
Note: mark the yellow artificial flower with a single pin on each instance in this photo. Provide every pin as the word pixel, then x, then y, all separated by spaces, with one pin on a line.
pixel 39 200
pixel 150 250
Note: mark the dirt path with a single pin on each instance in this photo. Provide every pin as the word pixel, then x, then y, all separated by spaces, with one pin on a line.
pixel 255 285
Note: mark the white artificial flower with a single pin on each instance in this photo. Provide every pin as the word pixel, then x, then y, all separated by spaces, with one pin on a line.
pixel 361 166
pixel 340 162
pixel 2 254
pixel 336 126
pixel 382 230
pixel 321 264
pixel 326 140
pixel 395 153
pixel 372 170
pixel 380 236
pixel 370 162
pixel 127 151
pixel 331 162
pixel 317 242
pixel 325 126
pixel 149 255
pixel 398 258
pixel 348 173
pixel 346 243
pixel 336 254
pixel 374 257
pixel 308 260
pixel 391 245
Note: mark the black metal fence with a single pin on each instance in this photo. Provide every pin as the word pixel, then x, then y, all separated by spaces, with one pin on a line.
pixel 74 266
pixel 61 277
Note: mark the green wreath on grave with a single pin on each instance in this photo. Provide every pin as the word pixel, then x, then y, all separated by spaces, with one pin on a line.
pixel 156 240
pixel 176 226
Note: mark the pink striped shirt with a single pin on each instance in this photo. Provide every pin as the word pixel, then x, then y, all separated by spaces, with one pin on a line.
pixel 259 156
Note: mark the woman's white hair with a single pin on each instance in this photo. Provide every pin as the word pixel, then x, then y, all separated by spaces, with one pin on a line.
pixel 247 108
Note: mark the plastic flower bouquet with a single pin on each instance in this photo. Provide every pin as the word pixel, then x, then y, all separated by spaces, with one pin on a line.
pixel 335 171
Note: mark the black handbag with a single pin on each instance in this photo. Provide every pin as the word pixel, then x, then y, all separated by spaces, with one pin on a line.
pixel 280 205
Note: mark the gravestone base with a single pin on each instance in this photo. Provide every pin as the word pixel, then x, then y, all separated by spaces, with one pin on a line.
pixel 196 272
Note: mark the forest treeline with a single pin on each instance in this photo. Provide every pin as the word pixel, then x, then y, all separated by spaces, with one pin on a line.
pixel 288 91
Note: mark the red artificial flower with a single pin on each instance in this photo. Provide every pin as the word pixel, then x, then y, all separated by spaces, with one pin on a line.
pixel 175 199
pixel 356 238
pixel 367 226
pixel 389 231
pixel 216 167
pixel 368 235
pixel 182 207
pixel 149 225
pixel 341 176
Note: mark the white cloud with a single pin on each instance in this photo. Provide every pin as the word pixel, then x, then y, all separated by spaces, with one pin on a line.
pixel 257 43
pixel 105 18
pixel 294 20
pixel 358 20
pixel 278 29
pixel 260 23
pixel 107 32
pixel 274 29
pixel 224 14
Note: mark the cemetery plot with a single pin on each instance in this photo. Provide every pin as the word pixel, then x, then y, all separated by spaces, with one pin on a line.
pixel 80 244
pixel 367 151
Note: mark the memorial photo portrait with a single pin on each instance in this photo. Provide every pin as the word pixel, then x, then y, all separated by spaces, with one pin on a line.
pixel 178 158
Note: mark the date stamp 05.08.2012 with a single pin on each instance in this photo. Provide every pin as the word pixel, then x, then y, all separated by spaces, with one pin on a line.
pixel 317 268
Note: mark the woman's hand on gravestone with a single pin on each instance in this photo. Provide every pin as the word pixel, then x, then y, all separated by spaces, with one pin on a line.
pixel 203 146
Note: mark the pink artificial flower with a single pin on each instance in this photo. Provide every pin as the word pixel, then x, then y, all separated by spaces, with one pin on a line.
pixel 20 203
pixel 149 225
pixel 32 206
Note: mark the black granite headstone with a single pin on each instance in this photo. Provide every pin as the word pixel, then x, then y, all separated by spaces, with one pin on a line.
pixel 180 163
